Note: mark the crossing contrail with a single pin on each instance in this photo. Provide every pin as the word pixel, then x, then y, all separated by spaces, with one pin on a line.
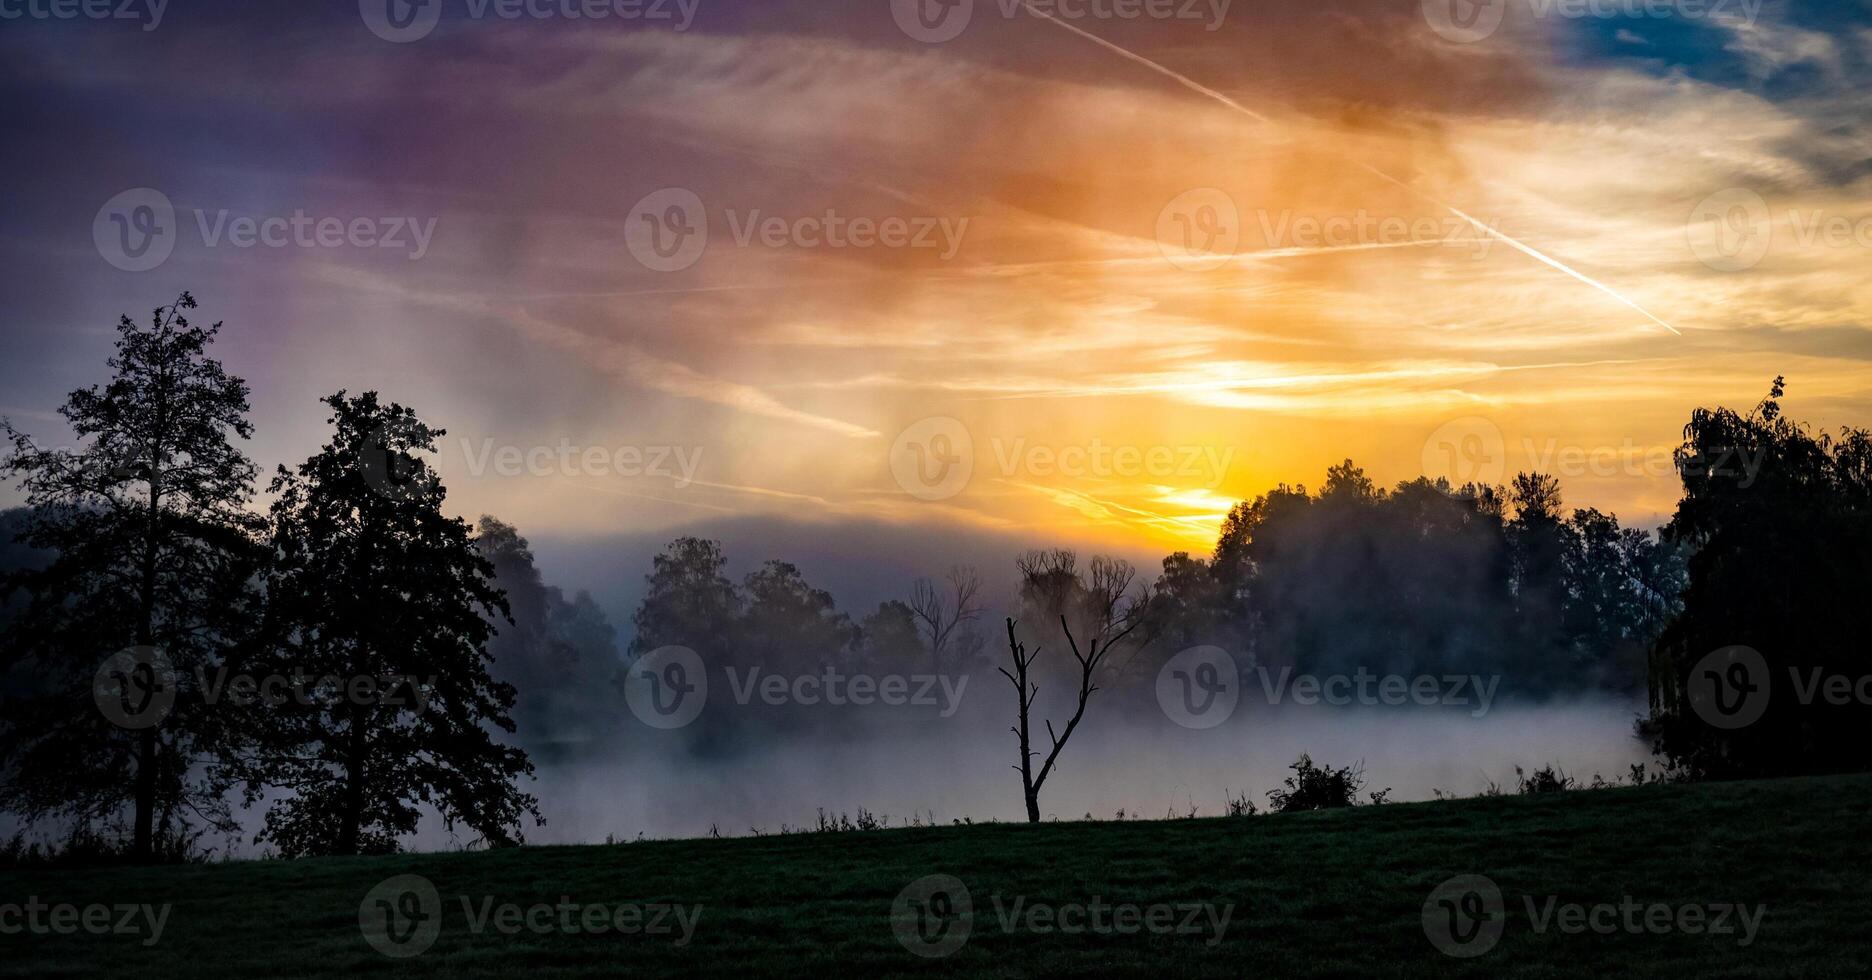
pixel 1480 226
pixel 1181 79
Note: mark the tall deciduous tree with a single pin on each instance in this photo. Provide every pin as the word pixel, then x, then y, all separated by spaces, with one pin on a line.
pixel 152 548
pixel 374 586
pixel 1537 539
pixel 1778 521
pixel 689 602
pixel 791 625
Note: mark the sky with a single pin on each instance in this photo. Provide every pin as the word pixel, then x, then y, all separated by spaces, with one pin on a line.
pixel 1089 273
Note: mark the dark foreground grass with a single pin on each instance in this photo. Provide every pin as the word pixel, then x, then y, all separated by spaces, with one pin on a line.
pixel 1320 894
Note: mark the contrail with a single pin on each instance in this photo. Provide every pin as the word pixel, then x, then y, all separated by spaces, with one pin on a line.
pixel 1181 79
pixel 1521 246
pixel 1481 227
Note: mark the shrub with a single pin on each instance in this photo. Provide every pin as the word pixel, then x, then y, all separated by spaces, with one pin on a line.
pixel 1314 787
pixel 1551 779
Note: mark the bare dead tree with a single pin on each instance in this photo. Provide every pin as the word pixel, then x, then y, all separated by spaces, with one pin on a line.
pixel 941 614
pixel 1025 691
pixel 1100 599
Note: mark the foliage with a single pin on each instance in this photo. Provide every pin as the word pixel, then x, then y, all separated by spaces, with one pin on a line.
pixel 1547 779
pixel 1779 521
pixel 1426 578
pixel 1315 787
pixel 150 545
pixel 791 625
pixel 689 602
pixel 370 580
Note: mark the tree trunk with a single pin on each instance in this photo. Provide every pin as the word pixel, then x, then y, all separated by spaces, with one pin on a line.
pixel 353 814
pixel 142 845
pixel 1028 789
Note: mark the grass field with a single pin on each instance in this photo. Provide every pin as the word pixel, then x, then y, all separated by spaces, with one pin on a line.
pixel 1318 894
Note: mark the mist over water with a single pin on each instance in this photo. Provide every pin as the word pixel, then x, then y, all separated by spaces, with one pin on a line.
pixel 649 785
pixel 1126 755
pixel 746 768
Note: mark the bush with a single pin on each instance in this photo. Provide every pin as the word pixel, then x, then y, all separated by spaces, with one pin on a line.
pixel 1551 779
pixel 1314 787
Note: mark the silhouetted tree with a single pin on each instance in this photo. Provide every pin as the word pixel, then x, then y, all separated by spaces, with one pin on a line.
pixel 1026 691
pixel 1537 539
pixel 1779 525
pixel 150 547
pixel 791 625
pixel 374 586
pixel 689 602
pixel 1096 605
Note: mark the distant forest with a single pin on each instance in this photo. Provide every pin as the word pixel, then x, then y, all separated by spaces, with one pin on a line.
pixel 145 537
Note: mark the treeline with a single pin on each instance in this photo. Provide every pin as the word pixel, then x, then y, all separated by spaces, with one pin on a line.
pixel 777 620
pixel 1426 578
pixel 1421 578
pixel 776 623
pixel 1770 549
pixel 358 659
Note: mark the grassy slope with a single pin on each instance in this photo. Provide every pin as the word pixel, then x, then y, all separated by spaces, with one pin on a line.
pixel 1328 893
